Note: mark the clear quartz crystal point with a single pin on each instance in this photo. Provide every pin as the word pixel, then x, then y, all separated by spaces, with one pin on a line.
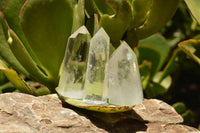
pixel 125 88
pixel 73 70
pixel 96 84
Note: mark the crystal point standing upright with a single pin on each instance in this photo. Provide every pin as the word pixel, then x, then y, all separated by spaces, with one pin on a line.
pixel 125 88
pixel 72 79
pixel 96 84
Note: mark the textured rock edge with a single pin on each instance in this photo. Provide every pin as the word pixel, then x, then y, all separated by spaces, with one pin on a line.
pixel 25 113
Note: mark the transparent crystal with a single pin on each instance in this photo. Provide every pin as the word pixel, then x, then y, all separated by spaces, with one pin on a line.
pixel 72 79
pixel 96 84
pixel 125 88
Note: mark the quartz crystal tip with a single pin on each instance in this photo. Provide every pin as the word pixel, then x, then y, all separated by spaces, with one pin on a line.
pixel 125 88
pixel 73 71
pixel 96 83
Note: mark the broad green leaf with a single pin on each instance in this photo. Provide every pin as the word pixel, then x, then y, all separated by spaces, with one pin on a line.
pixel 179 107
pixel 191 48
pixel 105 109
pixel 92 24
pixel 4 26
pixel 155 88
pixel 160 13
pixel 116 25
pixel 6 86
pixel 47 31
pixel 2 4
pixel 197 37
pixel 79 15
pixel 145 72
pixel 140 12
pixel 15 79
pixel 150 54
pixel 158 42
pixel 115 28
pixel 187 116
pixel 11 12
pixel 39 91
pixel 3 78
pixel 166 83
pixel 5 51
pixel 24 58
pixel 103 7
pixel 193 5
pixel 111 50
pixel 175 61
pixel 89 8
pixel 131 38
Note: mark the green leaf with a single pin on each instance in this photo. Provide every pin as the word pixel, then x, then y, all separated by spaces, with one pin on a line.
pixel 131 38
pixel 93 24
pixel 197 37
pixel 24 58
pixel 2 4
pixel 79 15
pixel 145 72
pixel 117 24
pixel 5 51
pixel 191 48
pixel 187 116
pixel 103 7
pixel 6 86
pixel 150 54
pixel 193 5
pixel 161 12
pixel 89 8
pixel 179 107
pixel 159 43
pixel 140 12
pixel 11 13
pixel 15 79
pixel 175 61
pixel 47 31
pixel 42 91
pixel 3 78
pixel 166 83
pixel 156 88
pixel 105 109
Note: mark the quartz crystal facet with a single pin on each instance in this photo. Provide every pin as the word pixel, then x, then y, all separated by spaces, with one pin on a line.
pixel 125 88
pixel 74 66
pixel 90 79
pixel 96 84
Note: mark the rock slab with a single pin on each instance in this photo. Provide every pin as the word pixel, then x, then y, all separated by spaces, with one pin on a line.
pixel 28 114
pixel 22 113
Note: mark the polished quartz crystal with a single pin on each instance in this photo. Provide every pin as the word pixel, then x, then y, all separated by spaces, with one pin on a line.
pixel 88 75
pixel 96 83
pixel 125 88
pixel 73 72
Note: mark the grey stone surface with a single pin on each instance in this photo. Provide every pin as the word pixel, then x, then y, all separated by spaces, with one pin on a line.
pixel 153 110
pixel 28 114
pixel 22 113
